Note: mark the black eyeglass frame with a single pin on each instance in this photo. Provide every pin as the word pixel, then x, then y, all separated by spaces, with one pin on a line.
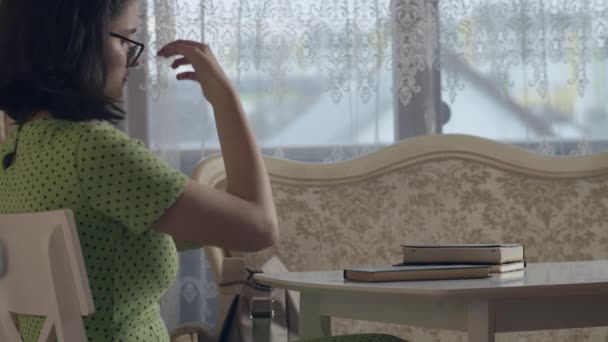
pixel 139 46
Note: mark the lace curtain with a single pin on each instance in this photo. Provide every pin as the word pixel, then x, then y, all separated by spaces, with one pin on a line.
pixel 538 65
pixel 327 80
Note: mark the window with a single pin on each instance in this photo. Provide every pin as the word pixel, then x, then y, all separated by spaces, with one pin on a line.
pixel 318 82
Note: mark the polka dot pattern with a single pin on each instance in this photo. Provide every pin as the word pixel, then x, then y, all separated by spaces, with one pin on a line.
pixel 116 189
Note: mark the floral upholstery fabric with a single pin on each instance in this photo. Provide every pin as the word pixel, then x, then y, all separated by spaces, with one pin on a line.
pixel 445 200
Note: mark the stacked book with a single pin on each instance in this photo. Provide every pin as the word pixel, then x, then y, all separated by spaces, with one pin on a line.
pixel 435 262
pixel 499 257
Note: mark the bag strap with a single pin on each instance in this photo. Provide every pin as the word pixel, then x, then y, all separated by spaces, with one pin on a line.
pixel 261 315
pixel 234 276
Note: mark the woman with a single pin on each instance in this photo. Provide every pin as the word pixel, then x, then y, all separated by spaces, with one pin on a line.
pixel 63 67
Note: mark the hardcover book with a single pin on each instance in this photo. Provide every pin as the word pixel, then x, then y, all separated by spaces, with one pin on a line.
pixel 417 272
pixel 475 253
pixel 494 268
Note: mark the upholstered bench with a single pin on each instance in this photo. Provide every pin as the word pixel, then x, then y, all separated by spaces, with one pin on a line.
pixel 433 189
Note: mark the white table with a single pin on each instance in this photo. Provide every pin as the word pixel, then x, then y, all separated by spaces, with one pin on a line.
pixel 544 296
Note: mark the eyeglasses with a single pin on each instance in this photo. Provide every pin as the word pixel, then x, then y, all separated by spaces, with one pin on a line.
pixel 134 51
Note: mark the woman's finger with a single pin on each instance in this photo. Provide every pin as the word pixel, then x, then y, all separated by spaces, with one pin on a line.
pixel 175 49
pixel 190 42
pixel 180 62
pixel 181 43
pixel 188 75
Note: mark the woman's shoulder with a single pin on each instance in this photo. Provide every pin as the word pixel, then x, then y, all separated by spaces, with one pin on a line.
pixel 100 128
pixel 99 133
pixel 99 138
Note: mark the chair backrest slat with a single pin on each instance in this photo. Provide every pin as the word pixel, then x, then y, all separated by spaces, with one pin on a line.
pixel 45 273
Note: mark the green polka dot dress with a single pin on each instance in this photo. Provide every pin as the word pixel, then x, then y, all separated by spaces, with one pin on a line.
pixel 116 189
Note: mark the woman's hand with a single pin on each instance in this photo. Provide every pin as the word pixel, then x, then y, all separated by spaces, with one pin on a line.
pixel 207 70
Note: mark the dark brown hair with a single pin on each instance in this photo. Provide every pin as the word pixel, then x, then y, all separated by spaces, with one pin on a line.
pixel 52 58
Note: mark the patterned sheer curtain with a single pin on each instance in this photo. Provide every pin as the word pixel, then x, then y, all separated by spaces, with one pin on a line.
pixel 529 72
pixel 328 80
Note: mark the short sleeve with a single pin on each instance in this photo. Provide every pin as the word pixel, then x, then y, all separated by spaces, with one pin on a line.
pixel 124 180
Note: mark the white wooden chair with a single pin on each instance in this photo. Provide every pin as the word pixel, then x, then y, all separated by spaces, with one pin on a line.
pixel 44 275
pixel 434 189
